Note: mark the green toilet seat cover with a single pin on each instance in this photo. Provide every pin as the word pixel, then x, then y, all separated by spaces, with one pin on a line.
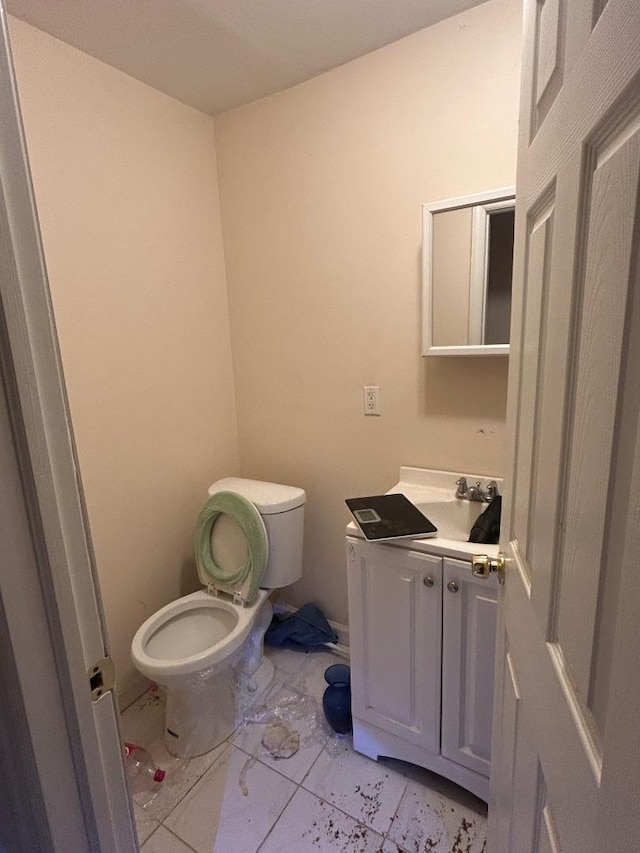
pixel 246 579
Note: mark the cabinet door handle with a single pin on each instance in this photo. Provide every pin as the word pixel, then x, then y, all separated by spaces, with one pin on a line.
pixel 427 581
pixel 452 586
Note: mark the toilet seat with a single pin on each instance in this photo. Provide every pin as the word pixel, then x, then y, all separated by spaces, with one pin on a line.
pixel 243 582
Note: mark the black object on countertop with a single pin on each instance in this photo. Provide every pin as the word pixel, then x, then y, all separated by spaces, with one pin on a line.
pixel 384 517
pixel 486 528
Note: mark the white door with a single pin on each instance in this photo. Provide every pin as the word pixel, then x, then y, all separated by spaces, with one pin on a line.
pixel 57 714
pixel 566 737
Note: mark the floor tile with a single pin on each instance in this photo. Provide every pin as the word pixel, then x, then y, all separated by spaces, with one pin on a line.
pixel 181 775
pixel 163 841
pixel 301 714
pixel 390 847
pixel 286 661
pixel 309 825
pixel 143 720
pixel 427 820
pixel 145 824
pixel 309 678
pixel 233 806
pixel 367 790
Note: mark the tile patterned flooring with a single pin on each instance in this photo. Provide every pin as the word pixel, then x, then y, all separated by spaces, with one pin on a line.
pixel 326 797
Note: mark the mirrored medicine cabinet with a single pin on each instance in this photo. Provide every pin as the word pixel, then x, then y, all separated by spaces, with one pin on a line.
pixel 466 281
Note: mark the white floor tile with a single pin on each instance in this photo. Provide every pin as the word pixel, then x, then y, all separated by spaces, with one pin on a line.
pixel 181 775
pixel 286 661
pixel 145 824
pixel 309 678
pixel 143 720
pixel 309 825
pixel 367 790
pixel 391 847
pixel 427 820
pixel 233 806
pixel 163 841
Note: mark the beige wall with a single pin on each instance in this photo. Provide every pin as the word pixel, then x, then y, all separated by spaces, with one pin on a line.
pixel 125 181
pixel 321 192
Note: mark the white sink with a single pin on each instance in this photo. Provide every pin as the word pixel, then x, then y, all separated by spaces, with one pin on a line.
pixel 454 518
pixel 433 492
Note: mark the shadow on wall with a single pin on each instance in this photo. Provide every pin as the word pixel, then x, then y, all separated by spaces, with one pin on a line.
pixel 463 386
pixel 189 580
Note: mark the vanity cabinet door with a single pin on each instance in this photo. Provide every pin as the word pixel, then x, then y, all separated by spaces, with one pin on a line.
pixel 395 607
pixel 468 650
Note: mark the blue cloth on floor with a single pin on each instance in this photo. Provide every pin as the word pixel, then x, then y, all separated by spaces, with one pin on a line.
pixel 306 627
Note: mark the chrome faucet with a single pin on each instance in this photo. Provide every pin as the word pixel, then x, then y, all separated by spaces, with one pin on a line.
pixel 462 491
pixel 491 491
pixel 476 493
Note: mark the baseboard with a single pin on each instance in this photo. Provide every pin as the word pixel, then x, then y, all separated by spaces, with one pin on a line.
pixel 281 608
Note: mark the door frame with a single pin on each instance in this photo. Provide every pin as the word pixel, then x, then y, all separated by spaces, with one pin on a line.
pixel 51 618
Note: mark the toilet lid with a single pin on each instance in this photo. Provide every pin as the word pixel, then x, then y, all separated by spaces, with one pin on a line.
pixel 246 579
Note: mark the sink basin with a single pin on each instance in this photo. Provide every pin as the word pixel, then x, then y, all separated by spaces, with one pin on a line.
pixel 453 518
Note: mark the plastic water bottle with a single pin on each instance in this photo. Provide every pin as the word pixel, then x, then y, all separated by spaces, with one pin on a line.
pixel 142 773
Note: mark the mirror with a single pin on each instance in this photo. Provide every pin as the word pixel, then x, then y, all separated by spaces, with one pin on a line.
pixel 466 280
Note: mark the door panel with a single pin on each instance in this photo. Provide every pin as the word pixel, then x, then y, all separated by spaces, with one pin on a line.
pixel 468 657
pixel 549 56
pixel 560 29
pixel 396 682
pixel 573 424
pixel 553 357
pixel 504 748
pixel 545 836
pixel 613 193
pixel 540 236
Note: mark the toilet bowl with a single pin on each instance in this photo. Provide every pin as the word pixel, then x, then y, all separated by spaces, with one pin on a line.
pixel 206 647
pixel 192 634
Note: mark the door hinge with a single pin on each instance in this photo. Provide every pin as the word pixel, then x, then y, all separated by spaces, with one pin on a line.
pixel 102 678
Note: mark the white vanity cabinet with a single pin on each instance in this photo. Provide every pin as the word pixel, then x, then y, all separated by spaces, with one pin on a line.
pixel 422 659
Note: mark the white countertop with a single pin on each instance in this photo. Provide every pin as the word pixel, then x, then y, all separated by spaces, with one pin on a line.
pixel 426 486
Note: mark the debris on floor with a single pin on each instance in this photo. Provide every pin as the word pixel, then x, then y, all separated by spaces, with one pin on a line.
pixel 292 719
pixel 280 741
pixel 242 779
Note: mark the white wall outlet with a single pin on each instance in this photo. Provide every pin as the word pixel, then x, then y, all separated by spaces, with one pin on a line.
pixel 372 400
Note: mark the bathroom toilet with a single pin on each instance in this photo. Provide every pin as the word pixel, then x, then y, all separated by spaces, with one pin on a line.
pixel 206 647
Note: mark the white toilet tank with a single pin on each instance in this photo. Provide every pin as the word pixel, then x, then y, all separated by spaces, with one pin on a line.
pixel 282 510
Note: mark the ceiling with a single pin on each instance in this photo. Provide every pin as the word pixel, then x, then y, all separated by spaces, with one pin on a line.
pixel 220 54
